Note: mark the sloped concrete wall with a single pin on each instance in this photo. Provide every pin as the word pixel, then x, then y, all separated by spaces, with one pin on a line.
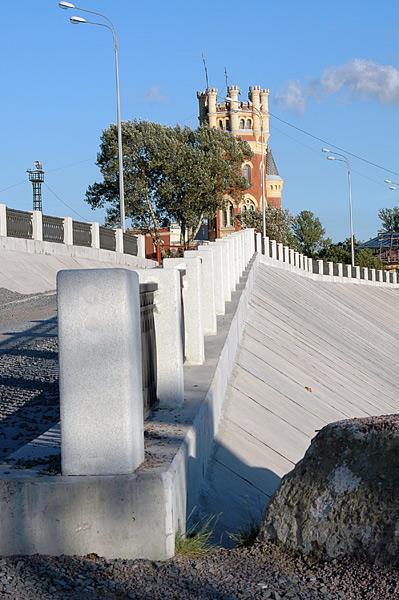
pixel 313 352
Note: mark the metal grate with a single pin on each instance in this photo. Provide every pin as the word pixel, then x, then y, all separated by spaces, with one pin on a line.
pixel 130 244
pixel 107 239
pixel 81 234
pixel 19 224
pixel 148 346
pixel 53 229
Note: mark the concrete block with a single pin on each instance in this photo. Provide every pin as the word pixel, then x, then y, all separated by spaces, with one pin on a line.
pixel 296 260
pixel 286 251
pixel 330 266
pixel 37 225
pixel 321 266
pixel 3 220
pixel 373 275
pixel 292 257
pixel 169 332
pixel 207 287
pixel 340 268
pixel 266 246
pixel 68 231
pixel 216 249
pixel 101 400
pixel 119 240
pixel 141 246
pixel 280 252
pixel 95 234
pixel 225 249
pixel 194 351
pixel 232 270
pixel 259 243
pixel 357 272
pixel 274 249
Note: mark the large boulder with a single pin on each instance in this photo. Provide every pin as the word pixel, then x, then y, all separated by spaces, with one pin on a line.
pixel 342 498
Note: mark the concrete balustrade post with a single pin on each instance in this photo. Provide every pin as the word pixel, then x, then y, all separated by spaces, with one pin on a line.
pixel 300 262
pixel 296 259
pixel 119 240
pixel 168 320
pixel 274 249
pixel 292 257
pixel 95 235
pixel 310 265
pixel 349 271
pixel 365 273
pixel 286 252
pixel 340 268
pixel 232 270
pixel 141 246
pixel 373 275
pixel 357 272
pixel 380 276
pixel 216 249
pixel 3 220
pixel 251 235
pixel 192 301
pixel 207 288
pixel 330 266
pixel 225 250
pixel 68 231
pixel 280 251
pixel 259 243
pixel 37 225
pixel 237 257
pixel 394 278
pixel 267 247
pixel 101 398
pixel 320 264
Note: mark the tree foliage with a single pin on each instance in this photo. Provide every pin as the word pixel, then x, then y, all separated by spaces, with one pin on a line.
pixel 390 219
pixel 171 174
pixel 309 233
pixel 278 224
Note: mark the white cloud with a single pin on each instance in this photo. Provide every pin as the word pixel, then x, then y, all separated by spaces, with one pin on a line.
pixel 360 77
pixel 154 94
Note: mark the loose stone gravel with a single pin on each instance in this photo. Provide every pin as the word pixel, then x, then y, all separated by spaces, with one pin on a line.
pixel 262 571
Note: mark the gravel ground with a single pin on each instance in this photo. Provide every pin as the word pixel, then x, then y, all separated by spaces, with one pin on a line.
pixel 29 401
pixel 262 571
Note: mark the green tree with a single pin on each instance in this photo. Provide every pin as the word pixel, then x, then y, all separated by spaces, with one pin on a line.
pixel 309 233
pixel 364 257
pixel 390 219
pixel 171 174
pixel 278 224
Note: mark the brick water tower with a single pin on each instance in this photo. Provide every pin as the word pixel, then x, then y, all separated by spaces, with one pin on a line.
pixel 36 177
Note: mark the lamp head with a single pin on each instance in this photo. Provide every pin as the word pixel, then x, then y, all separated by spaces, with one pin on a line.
pixel 331 158
pixel 76 20
pixel 325 150
pixel 66 5
pixel 392 187
pixel 388 180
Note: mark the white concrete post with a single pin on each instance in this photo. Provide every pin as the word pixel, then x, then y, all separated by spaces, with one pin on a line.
pixel 357 272
pixel 330 268
pixel 380 275
pixel 394 278
pixel 237 257
pixel 95 235
pixel 280 251
pixel 321 267
pixel 241 238
pixel 310 265
pixel 141 246
pixel 207 287
pixel 225 249
pixel 3 220
pixel 296 259
pixel 192 300
pixel 216 249
pixel 232 269
pixel 292 257
pixel 251 235
pixel 119 240
pixel 274 249
pixel 300 264
pixel 101 398
pixel 37 225
pixel 267 247
pixel 373 275
pixel 340 268
pixel 259 243
pixel 286 254
pixel 349 271
pixel 168 318
pixel 365 273
pixel 68 231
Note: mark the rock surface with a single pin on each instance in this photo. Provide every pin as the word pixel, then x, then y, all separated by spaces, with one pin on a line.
pixel 342 498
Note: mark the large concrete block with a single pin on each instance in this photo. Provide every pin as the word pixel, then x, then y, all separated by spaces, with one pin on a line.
pixel 100 371
pixel 208 289
pixel 216 249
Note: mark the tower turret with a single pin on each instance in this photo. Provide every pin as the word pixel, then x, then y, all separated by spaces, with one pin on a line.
pixel 233 92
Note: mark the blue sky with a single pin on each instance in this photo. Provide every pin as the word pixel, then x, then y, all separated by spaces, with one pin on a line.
pixel 58 94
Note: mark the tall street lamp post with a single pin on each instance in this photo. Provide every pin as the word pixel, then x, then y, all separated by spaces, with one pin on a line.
pixel 333 156
pixel 262 142
pixel 75 20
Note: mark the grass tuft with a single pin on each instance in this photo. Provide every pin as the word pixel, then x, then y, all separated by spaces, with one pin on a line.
pixel 246 536
pixel 197 539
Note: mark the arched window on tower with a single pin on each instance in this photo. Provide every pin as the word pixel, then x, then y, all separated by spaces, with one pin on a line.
pixel 246 173
pixel 248 124
pixel 242 123
pixel 220 124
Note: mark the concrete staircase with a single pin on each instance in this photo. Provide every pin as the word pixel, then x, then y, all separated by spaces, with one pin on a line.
pixel 313 352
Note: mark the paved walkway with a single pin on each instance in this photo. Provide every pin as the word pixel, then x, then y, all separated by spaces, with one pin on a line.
pixel 312 353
